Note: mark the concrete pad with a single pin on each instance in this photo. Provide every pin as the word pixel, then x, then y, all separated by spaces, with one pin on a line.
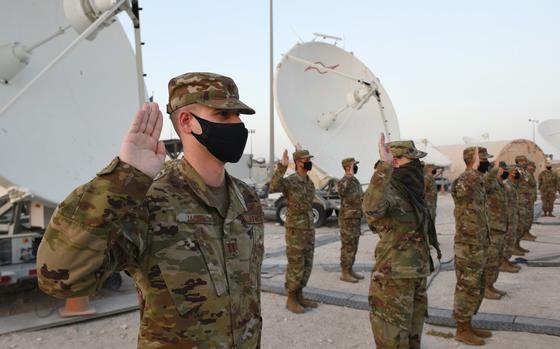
pixel 531 292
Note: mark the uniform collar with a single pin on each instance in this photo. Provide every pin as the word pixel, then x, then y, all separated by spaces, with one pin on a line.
pixel 237 204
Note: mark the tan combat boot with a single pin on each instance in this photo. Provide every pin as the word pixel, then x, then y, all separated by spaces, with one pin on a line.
pixel 480 333
pixel 466 335
pixel 514 266
pixel 307 303
pixel 356 275
pixel 516 251
pixel 292 303
pixel 489 294
pixel 506 267
pixel 347 277
pixel 528 237
pixel 494 289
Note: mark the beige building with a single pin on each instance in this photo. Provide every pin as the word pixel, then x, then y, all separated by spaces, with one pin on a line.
pixel 502 151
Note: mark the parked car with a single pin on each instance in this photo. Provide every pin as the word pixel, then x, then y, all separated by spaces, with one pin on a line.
pixel 326 203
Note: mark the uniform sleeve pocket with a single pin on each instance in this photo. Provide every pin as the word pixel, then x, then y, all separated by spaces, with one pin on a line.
pixel 189 278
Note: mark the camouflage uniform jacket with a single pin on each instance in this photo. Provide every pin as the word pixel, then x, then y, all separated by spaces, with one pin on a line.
pixel 512 199
pixel 299 193
pixel 471 222
pixel 351 196
pixel 548 181
pixel 496 204
pixel 430 194
pixel 532 186
pixel 402 251
pixel 524 187
pixel 197 271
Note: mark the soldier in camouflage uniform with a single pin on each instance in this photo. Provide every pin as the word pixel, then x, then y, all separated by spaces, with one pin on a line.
pixel 299 191
pixel 471 244
pixel 512 198
pixel 497 207
pixel 349 219
pixel 430 189
pixel 189 234
pixel 548 181
pixel 394 205
pixel 525 205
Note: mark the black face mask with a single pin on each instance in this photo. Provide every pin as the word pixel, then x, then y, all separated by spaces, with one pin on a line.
pixel 307 166
pixel 225 141
pixel 434 171
pixel 517 175
pixel 355 169
pixel 484 166
pixel 505 175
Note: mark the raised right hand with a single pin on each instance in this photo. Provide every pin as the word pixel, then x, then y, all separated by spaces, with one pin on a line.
pixel 285 159
pixel 141 147
pixel 384 151
pixel 476 159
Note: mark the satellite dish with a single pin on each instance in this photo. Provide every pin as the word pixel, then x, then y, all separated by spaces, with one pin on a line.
pixel 70 123
pixel 434 157
pixel 550 131
pixel 333 105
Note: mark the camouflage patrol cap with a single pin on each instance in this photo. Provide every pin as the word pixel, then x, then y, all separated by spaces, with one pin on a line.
pixel 213 90
pixel 301 154
pixel 520 158
pixel 468 153
pixel 406 149
pixel 348 161
pixel 503 165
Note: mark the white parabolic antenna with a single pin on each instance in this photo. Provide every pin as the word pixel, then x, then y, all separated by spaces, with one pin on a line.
pixel 333 105
pixel 70 123
pixel 550 131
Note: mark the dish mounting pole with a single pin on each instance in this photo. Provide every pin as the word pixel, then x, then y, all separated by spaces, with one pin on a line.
pixel 134 14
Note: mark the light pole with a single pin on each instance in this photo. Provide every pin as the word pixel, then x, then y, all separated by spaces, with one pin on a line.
pixel 251 133
pixel 534 122
pixel 271 77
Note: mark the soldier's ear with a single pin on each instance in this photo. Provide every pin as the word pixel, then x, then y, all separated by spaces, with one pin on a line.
pixel 187 123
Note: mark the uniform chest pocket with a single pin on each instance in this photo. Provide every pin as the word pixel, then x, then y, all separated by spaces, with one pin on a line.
pixel 190 276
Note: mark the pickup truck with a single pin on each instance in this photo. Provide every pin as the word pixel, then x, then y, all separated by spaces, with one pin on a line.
pixel 326 203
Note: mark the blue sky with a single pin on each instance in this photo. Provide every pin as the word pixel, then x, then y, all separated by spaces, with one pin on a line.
pixel 451 68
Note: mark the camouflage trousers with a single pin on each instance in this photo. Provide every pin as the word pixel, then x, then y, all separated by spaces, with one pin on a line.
pixel 548 197
pixel 495 253
pixel 509 239
pixel 470 264
pixel 531 213
pixel 300 246
pixel 524 223
pixel 397 311
pixel 349 239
